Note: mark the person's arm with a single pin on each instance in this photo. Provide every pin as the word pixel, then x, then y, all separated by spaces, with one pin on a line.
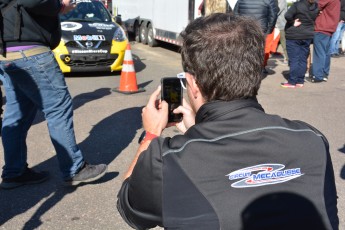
pixel 47 7
pixel 155 119
pixel 272 16
pixel 290 14
pixel 140 196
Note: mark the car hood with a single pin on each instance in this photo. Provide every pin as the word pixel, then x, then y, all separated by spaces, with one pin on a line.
pixel 88 31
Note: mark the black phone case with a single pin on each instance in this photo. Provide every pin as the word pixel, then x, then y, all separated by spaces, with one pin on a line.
pixel 172 93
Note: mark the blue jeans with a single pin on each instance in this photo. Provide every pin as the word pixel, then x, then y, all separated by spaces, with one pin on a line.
pixel 32 83
pixel 298 51
pixel 321 56
pixel 336 37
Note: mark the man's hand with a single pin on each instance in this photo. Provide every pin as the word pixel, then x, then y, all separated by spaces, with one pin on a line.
pixel 297 22
pixel 67 6
pixel 155 114
pixel 188 116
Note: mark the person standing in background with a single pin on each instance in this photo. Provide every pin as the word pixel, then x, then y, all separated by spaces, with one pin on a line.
pixel 325 25
pixel 280 25
pixel 299 32
pixel 265 12
pixel 338 34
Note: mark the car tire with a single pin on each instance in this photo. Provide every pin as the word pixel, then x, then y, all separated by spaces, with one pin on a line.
pixel 152 42
pixel 143 34
pixel 137 32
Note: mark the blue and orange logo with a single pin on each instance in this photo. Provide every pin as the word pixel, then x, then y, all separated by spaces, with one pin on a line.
pixel 263 174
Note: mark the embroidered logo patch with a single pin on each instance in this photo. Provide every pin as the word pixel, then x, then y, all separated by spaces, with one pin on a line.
pixel 263 174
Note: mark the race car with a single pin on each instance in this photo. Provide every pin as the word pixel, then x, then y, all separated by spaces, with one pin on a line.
pixel 91 39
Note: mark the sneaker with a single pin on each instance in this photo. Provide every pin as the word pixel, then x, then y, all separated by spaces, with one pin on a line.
pixel 315 80
pixel 287 85
pixel 28 177
pixel 88 173
pixel 299 85
pixel 325 79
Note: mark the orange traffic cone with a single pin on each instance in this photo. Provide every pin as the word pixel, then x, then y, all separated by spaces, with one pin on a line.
pixel 128 80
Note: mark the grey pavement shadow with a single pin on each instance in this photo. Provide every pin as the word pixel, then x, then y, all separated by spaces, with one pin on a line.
pixel 110 136
pixel 286 74
pixel 342 172
pixel 138 64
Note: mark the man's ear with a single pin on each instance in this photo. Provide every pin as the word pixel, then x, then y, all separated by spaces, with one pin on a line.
pixel 192 85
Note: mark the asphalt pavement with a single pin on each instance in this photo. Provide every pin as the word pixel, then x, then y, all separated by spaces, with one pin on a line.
pixel 108 125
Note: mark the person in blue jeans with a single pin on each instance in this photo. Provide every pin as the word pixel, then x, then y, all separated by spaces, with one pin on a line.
pixel 325 25
pixel 33 81
pixel 299 32
pixel 335 40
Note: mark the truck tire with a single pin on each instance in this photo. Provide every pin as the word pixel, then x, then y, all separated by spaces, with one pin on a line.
pixel 137 32
pixel 143 34
pixel 150 39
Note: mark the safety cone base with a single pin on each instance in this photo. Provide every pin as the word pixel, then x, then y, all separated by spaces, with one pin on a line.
pixel 117 89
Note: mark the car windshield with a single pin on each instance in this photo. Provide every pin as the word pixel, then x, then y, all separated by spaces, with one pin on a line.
pixel 87 11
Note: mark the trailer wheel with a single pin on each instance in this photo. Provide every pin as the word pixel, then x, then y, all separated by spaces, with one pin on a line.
pixel 143 33
pixel 137 32
pixel 150 39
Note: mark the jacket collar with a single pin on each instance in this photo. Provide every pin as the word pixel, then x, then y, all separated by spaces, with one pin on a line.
pixel 216 109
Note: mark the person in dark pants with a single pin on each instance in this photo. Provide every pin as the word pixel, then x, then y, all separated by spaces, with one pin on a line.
pixel 325 25
pixel 299 33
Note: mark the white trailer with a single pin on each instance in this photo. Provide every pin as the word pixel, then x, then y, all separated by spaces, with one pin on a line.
pixel 156 20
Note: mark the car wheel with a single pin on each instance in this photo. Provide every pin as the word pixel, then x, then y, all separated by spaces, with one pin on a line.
pixel 143 34
pixel 137 32
pixel 150 39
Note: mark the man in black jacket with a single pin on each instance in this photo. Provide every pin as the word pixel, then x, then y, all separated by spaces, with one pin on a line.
pixel 232 156
pixel 33 80
pixel 266 13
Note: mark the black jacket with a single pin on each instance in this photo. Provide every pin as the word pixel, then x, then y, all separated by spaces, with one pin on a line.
pixel 213 175
pixel 307 14
pixel 264 11
pixel 31 22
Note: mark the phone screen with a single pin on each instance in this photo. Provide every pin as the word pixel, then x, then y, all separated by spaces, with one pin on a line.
pixel 172 94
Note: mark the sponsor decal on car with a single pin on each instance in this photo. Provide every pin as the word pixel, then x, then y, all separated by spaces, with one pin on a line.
pixel 263 174
pixel 70 26
pixel 89 51
pixel 88 37
pixel 101 26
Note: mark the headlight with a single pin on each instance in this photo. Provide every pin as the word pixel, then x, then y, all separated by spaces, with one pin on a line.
pixel 119 34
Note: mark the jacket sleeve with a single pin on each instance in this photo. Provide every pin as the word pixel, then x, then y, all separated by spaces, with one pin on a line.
pixel 140 197
pixel 42 7
pixel 290 14
pixel 272 16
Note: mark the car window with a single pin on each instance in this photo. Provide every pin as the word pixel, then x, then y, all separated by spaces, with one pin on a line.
pixel 88 11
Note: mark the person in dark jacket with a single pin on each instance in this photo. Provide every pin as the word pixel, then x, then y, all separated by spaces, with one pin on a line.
pixel 231 154
pixel 266 13
pixel 325 25
pixel 33 80
pixel 299 33
pixel 338 34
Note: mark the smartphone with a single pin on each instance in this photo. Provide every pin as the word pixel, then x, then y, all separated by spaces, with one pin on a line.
pixel 172 92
